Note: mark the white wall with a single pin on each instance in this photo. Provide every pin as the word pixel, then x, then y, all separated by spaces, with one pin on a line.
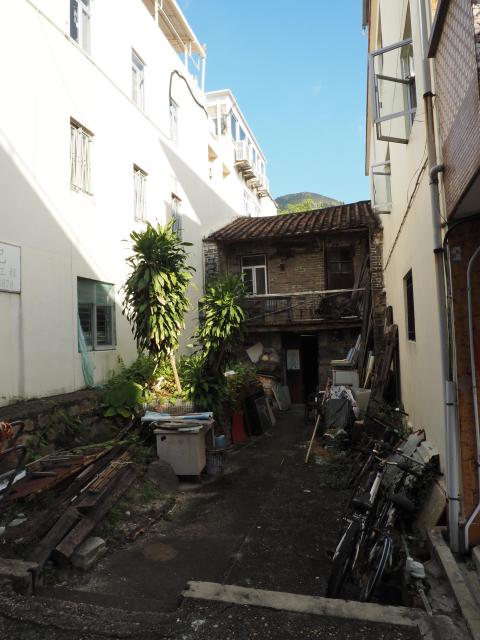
pixel 408 244
pixel 65 234
pixel 234 186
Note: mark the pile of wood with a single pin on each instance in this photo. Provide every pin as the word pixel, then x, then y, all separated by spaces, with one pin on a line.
pixel 81 489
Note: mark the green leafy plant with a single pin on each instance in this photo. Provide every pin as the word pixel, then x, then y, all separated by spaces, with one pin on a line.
pixel 155 292
pixel 245 378
pixel 142 370
pixel 206 388
pixel 124 397
pixel 222 319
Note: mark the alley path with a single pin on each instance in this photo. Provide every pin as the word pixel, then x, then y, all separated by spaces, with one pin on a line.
pixel 267 523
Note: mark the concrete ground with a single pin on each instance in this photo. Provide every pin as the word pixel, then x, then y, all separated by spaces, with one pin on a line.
pixel 268 522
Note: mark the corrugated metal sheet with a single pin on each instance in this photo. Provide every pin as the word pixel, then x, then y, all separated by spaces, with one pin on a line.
pixel 357 215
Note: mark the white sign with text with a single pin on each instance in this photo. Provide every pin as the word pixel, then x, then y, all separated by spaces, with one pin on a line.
pixel 10 268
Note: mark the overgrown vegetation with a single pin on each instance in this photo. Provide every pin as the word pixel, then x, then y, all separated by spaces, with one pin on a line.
pixel 220 331
pixel 222 320
pixel 155 292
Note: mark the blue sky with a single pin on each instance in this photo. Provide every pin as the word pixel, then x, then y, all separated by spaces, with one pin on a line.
pixel 298 71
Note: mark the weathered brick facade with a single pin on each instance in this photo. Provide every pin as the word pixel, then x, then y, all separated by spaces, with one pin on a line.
pixel 299 265
pixel 463 240
pixel 378 290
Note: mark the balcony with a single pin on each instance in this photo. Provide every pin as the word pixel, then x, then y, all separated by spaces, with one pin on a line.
pixel 279 311
pixel 243 157
pixel 263 188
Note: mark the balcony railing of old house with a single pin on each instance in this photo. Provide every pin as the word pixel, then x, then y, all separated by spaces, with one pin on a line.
pixel 279 309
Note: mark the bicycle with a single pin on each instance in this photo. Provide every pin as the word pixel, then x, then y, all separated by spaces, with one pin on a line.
pixel 381 542
pixel 347 552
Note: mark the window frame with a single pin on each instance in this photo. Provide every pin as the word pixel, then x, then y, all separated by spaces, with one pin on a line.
pixel 409 112
pixel 138 80
pixel 83 8
pixel 81 140
pixel 410 306
pixel 176 215
pixel 234 119
pixel 333 274
pixel 173 121
pixel 139 193
pixel 385 207
pixel 92 308
pixel 253 269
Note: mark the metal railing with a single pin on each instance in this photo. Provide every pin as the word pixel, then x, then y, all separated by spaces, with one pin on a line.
pixel 309 306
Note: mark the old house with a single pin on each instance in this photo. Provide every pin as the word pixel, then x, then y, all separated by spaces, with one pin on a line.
pixel 309 277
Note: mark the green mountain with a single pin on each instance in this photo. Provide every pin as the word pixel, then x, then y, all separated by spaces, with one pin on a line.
pixel 303 201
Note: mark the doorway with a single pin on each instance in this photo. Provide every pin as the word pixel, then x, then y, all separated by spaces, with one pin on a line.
pixel 309 357
pixel 301 358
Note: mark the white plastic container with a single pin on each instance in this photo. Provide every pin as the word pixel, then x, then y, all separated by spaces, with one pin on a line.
pixel 183 450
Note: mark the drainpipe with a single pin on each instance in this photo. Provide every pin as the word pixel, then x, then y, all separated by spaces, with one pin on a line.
pixel 449 391
pixel 473 367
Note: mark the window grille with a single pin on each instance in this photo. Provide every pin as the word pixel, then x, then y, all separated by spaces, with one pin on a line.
pixel 80 156
pixel 80 23
pixel 177 216
pixel 138 80
pixel 96 313
pixel 139 190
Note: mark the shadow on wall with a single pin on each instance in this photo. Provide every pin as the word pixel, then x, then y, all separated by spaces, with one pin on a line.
pixel 204 211
pixel 38 337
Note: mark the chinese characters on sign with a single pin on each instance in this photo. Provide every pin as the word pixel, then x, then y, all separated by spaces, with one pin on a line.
pixel 9 268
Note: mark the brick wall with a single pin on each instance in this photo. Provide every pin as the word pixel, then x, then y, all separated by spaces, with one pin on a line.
pixel 457 64
pixel 213 259
pixel 466 237
pixel 295 266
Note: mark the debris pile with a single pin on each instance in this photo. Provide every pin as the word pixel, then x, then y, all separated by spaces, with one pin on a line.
pixel 76 489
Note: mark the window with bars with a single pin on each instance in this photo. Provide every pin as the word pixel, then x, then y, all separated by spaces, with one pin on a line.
pixel 410 307
pixel 139 193
pixel 174 121
pixel 138 80
pixel 254 271
pixel 80 157
pixel 96 313
pixel 340 267
pixel 177 216
pixel 80 23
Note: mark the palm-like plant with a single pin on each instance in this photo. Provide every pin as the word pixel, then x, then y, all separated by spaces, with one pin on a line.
pixel 155 300
pixel 222 318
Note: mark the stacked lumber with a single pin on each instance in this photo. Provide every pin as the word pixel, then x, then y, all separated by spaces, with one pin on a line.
pixel 83 504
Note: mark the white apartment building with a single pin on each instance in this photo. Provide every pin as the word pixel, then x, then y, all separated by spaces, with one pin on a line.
pixel 236 159
pixel 104 126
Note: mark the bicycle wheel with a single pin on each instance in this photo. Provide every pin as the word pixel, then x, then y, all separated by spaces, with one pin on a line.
pixel 342 560
pixel 377 561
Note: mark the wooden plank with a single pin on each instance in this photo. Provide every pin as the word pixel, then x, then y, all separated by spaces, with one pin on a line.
pixel 87 524
pixel 62 526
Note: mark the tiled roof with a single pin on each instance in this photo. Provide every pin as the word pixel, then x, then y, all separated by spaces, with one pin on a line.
pixel 357 215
